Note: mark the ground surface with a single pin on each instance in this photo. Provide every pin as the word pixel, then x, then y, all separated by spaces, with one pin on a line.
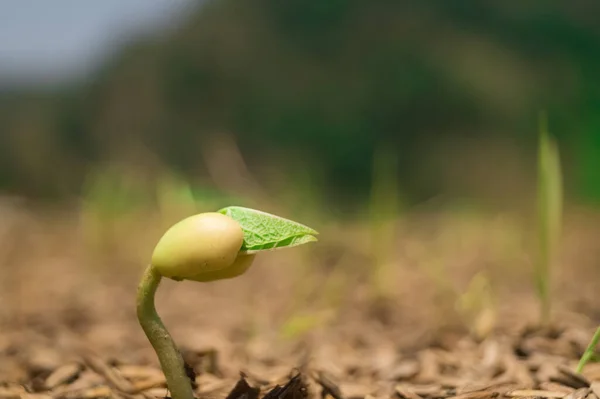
pixel 68 327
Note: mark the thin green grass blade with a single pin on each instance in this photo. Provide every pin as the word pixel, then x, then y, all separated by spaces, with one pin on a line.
pixel 589 353
pixel 550 198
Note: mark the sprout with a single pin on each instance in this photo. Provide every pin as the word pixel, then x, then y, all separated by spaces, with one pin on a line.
pixel 207 247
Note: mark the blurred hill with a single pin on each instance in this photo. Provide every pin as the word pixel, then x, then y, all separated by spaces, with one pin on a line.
pixel 309 90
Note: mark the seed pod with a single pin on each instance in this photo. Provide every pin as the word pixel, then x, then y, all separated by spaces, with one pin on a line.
pixel 201 248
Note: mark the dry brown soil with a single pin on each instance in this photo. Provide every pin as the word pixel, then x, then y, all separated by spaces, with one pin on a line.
pixel 305 318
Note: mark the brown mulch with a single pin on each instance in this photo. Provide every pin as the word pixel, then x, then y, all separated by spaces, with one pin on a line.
pixel 532 364
pixel 58 303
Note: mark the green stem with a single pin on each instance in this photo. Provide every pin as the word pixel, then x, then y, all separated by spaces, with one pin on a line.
pixel 589 352
pixel 170 359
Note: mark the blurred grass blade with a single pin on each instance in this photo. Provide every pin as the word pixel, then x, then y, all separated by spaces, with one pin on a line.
pixel 589 353
pixel 384 211
pixel 300 324
pixel 476 306
pixel 550 198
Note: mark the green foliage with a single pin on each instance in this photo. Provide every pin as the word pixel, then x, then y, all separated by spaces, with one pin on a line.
pixel 322 82
pixel 550 197
pixel 263 231
pixel 587 162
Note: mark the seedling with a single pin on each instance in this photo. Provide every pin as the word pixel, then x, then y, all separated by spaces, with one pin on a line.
pixel 550 197
pixel 590 352
pixel 207 247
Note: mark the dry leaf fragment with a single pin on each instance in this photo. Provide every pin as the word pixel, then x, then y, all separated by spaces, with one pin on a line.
pixel 531 393
pixel 11 392
pixel 595 387
pixel 61 375
pixel 578 394
pixel 406 393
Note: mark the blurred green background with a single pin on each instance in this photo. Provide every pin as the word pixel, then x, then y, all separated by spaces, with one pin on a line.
pixel 302 101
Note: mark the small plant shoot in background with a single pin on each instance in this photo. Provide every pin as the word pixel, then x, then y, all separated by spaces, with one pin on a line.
pixel 476 306
pixel 384 208
pixel 550 198
pixel 590 353
pixel 207 247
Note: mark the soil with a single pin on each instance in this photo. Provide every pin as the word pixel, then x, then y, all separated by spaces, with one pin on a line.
pixel 306 322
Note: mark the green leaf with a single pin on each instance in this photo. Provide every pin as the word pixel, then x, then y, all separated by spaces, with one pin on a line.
pixel 263 231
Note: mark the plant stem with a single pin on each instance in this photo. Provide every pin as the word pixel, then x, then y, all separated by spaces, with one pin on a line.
pixel 170 359
pixel 589 352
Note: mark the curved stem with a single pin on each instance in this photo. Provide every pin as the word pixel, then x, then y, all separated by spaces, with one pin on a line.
pixel 170 359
